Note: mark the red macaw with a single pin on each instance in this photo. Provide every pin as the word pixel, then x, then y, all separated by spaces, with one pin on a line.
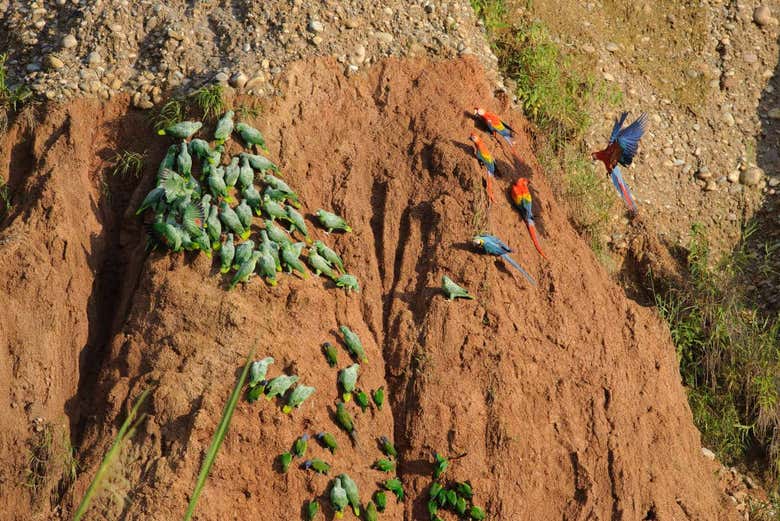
pixel 486 159
pixel 521 196
pixel 495 125
pixel 623 146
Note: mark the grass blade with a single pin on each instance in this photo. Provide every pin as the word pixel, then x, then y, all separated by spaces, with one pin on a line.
pixel 219 436
pixel 128 427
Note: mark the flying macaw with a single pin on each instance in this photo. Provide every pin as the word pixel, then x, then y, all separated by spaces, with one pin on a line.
pixel 486 159
pixel 492 245
pixel 521 196
pixel 623 145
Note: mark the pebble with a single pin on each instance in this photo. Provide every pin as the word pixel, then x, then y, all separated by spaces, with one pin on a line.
pixel 750 57
pixel 707 453
pixel 711 186
pixel 762 15
pixel 94 59
pixel 608 77
pixel 221 77
pixel 69 42
pixel 315 26
pixel 773 181
pixel 611 47
pixel 733 177
pixel 53 62
pixel 384 37
pixel 238 80
pixel 751 177
pixel 774 113
pixel 255 82
pixel 728 119
pixel 359 55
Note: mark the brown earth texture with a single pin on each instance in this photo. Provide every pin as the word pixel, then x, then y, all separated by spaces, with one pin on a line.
pixel 561 401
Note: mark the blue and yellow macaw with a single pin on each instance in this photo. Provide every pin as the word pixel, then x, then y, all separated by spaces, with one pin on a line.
pixel 492 245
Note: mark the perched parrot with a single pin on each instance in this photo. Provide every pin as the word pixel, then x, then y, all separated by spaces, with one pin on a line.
pixel 452 290
pixel 353 494
pixel 319 265
pixel 152 200
pixel 246 176
pixel 246 270
pixel 387 447
pixel 353 343
pixel 300 445
pixel 297 397
pixel 495 125
pixel 284 461
pixel 361 398
pixel 371 514
pixel 231 220
pixel 232 171
pixel 244 213
pixel 175 186
pixel 348 282
pixel 184 160
pixel 214 227
pixel 440 465
pixel 183 130
pixel 486 159
pixel 271 248
pixel 169 160
pixel 328 441
pixel 273 209
pixel 266 267
pixel 381 500
pixel 331 221
pixel 192 218
pixel 167 234
pixel 275 233
pixel 464 489
pixel 243 253
pixel 217 184
pixel 331 256
pixel 224 128
pixel 200 148
pixel 312 508
pixel 385 465
pixel 282 197
pixel 477 513
pixel 258 370
pixel 344 420
pixel 289 258
pixel 227 254
pixel 521 197
pixel 379 397
pixel 623 146
pixel 331 355
pixel 279 385
pixel 297 223
pixel 252 198
pixel 317 465
pixel 251 136
pixel 259 163
pixel 494 246
pixel 396 487
pixel 348 379
pixel 338 498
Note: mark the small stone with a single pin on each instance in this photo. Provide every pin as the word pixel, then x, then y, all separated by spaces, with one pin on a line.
pixel 352 68
pixel 733 177
pixel 751 177
pixel 317 40
pixel 94 59
pixel 50 94
pixel 703 173
pixel 69 42
pixel 116 84
pixel 255 82
pixel 265 64
pixel 359 55
pixel 728 119
pixel 352 23
pixel 750 57
pixel 611 47
pixel 773 181
pixel 711 186
pixel 238 80
pixel 608 77
pixel 221 77
pixel 762 15
pixel 315 26
pixel 52 62
pixel 707 453
pixel 33 67
pixel 384 37
pixel 430 8
pixel 774 113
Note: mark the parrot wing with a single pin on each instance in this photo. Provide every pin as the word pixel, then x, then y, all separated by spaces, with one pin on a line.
pixel 617 126
pixel 629 137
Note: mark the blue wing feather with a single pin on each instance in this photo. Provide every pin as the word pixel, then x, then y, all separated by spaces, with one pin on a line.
pixel 616 128
pixel 519 268
pixel 628 139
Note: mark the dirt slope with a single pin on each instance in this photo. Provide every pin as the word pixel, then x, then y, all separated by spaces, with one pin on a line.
pixel 564 398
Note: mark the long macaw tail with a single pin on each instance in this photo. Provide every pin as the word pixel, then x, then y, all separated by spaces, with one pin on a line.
pixel 519 268
pixel 491 197
pixel 623 190
pixel 532 232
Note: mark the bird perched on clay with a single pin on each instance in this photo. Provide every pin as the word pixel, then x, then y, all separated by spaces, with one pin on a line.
pixel 273 209
pixel 371 514
pixel 348 282
pixel 284 461
pixel 281 197
pixel 155 200
pixel 329 255
pixel 231 220
pixel 226 254
pixel 348 379
pixel 361 398
pixel 183 130
pixel 259 163
pixel 330 221
pixel 271 248
pixel 224 128
pixel 331 355
pixel 379 397
pixel 317 465
pixel 199 148
pixel 485 158
pixel 174 185
pixel 297 223
pixel 266 267
pixel 184 160
pixel 353 494
pixel 297 397
pixel 166 234
pixel 621 150
pixel 275 233
pixel 521 197
pixel 169 159
pixel 279 385
pixel 312 508
pixel 244 213
pixel 338 498
pixel 251 136
pixel 384 465
pixel 395 486
pixel 243 253
pixel 217 185
pixel 232 171
pixel 246 176
pixel 387 447
pixel 319 265
pixel 253 198
pixel 476 513
pixel 214 227
pixel 452 290
pixel 344 420
pixel 258 370
pixel 328 441
pixel 192 218
pixel 492 245
pixel 353 343
pixel 300 445
pixel 495 125
pixel 289 257
pixel 381 500
pixel 245 270
pixel 440 464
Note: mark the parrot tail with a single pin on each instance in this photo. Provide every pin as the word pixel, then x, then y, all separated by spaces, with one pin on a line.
pixel 161 132
pixel 519 268
pixel 532 232
pixel 623 190
pixel 339 514
pixel 490 195
pixel 347 397
pixel 287 409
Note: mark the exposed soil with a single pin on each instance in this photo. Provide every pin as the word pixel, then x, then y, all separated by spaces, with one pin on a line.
pixel 564 399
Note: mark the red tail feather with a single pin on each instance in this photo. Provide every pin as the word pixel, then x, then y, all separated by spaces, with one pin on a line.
pixel 490 189
pixel 627 198
pixel 534 238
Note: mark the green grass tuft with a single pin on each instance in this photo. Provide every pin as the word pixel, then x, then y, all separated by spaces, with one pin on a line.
pixel 210 100
pixel 219 436
pixel 170 113
pixel 5 200
pixel 11 98
pixel 128 163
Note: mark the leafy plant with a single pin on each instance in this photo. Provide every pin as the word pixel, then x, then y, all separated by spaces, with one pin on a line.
pixel 219 436
pixel 128 163
pixel 209 100
pixel 170 113
pixel 11 98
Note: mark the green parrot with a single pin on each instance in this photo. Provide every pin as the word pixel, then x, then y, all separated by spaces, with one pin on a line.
pixel 353 343
pixel 317 465
pixel 200 148
pixel 361 398
pixel 167 234
pixel 231 220
pixel 183 130
pixel 344 419
pixel 192 218
pixel 385 465
pixel 243 253
pixel 281 197
pixel 289 258
pixel 259 163
pixel 435 490
pixel 232 171
pixel 252 198
pixel 251 136
pixel 227 254
pixel 169 160
pixel 440 465
pixel 381 500
pixel 244 213
pixel 312 508
pixel 338 498
pixel 395 486
pixel 279 385
pixel 203 242
pixel 348 378
pixel 217 185
pixel 460 506
pixel 266 267
pixel 215 156
pixel 331 221
pixel 270 247
pixel 387 447
pixel 245 270
pixel 214 227
pixel 278 184
pixel 477 513
pixel 258 370
pixel 273 209
pixel 175 186
pixel 183 160
pixel 246 176
pixel 297 223
pixel 328 441
pixel 452 498
pixel 452 290
pixel 153 199
pixel 284 461
pixel 331 355
pixel 300 445
pixel 371 514
pixel 298 248
pixel 205 203
pixel 353 494
pixel 224 128
pixel 348 282
pixel 275 233
pixel 464 489
pixel 297 397
pixel 433 509
pixel 379 397
pixel 319 265
pixel 331 256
